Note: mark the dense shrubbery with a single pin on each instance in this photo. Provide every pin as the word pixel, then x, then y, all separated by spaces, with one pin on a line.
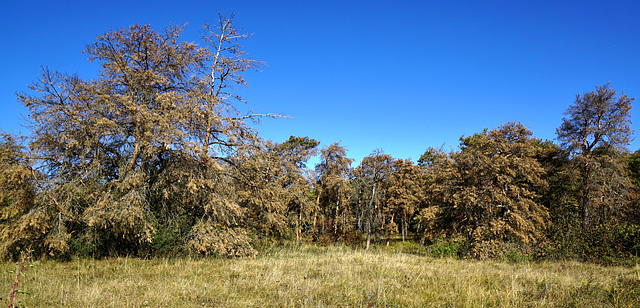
pixel 153 159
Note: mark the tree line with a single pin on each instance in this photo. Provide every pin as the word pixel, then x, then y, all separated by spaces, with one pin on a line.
pixel 155 156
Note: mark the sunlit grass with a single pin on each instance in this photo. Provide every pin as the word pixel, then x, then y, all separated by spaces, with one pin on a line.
pixel 322 277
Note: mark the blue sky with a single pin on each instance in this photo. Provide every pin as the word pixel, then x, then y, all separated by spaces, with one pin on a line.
pixel 395 75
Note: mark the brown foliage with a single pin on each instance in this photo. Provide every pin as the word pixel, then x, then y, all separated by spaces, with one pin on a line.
pixel 208 239
pixel 596 128
pixel 373 174
pixel 332 188
pixel 150 143
pixel 405 192
pixel 25 222
pixel 17 192
pixel 491 194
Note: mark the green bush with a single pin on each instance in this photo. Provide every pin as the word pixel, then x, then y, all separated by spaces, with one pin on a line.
pixel 516 256
pixel 166 242
pixel 448 248
pixel 611 244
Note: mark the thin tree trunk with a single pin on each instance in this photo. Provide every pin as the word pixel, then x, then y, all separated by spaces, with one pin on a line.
pixel 402 227
pixel 335 219
pixel 585 196
pixel 298 226
pixel 315 213
pixel 136 150
pixel 370 214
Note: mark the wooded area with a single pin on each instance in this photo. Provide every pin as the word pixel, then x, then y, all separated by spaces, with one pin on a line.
pixel 154 157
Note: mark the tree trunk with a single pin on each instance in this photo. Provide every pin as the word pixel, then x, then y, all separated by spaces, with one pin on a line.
pixel 298 226
pixel 335 219
pixel 136 149
pixel 585 196
pixel 403 227
pixel 315 213
pixel 370 214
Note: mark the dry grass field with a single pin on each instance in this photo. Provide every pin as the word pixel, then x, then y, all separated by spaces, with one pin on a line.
pixel 321 277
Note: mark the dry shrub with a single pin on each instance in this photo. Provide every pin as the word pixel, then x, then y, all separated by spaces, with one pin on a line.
pixel 124 218
pixel 23 224
pixel 29 228
pixel 208 239
pixel 427 218
pixel 57 242
pixel 39 230
pixel 17 192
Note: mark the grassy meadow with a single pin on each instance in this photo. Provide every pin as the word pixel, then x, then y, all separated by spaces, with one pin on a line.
pixel 334 276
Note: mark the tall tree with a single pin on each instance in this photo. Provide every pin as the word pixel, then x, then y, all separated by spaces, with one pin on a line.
pixel 374 171
pixel 597 120
pixel 332 186
pixel 218 125
pixel 103 136
pixel 439 183
pixel 271 185
pixel 148 144
pixel 405 191
pixel 295 152
pixel 495 199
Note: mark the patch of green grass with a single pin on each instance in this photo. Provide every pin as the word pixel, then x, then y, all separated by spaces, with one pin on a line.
pixel 332 276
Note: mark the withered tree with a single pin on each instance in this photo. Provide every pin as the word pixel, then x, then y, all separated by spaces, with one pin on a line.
pixel 372 176
pixel 225 145
pixel 405 192
pixel 144 152
pixel 595 129
pixel 332 188
pixel 438 185
pixel 295 152
pixel 218 124
pixel 494 191
pixel 272 186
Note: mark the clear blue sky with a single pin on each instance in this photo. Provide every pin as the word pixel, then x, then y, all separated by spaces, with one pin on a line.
pixel 395 75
